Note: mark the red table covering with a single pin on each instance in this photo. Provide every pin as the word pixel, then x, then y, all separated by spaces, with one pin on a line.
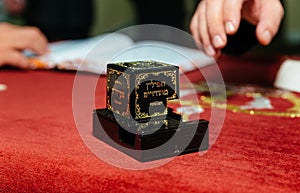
pixel 42 151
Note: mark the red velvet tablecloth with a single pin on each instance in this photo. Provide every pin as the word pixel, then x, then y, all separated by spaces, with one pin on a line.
pixel 42 151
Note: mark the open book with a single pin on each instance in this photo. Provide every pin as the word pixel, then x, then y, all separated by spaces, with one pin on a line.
pixel 92 54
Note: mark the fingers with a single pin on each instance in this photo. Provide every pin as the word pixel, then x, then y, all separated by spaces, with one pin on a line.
pixel 268 22
pixel 32 39
pixel 199 29
pixel 232 15
pixel 194 24
pixel 15 39
pixel 215 27
pixel 213 20
pixel 22 38
pixel 13 57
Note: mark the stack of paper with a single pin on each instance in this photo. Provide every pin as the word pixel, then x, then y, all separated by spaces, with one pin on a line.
pixel 92 54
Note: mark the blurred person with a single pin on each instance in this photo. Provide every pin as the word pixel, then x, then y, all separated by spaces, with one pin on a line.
pixel 43 21
pixel 160 12
pixel 60 19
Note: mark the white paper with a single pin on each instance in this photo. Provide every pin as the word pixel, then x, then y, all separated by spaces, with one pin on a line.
pixel 288 76
pixel 92 54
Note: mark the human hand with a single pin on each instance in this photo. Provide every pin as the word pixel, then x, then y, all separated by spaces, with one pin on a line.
pixel 15 39
pixel 215 19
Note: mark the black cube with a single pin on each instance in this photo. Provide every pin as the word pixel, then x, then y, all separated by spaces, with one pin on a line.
pixel 140 90
pixel 137 119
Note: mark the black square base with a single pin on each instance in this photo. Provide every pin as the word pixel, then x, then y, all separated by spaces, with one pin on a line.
pixel 176 138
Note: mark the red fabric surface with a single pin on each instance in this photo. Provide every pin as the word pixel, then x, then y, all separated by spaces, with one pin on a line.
pixel 41 149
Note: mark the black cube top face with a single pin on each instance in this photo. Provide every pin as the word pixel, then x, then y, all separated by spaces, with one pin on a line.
pixel 141 89
pixel 143 65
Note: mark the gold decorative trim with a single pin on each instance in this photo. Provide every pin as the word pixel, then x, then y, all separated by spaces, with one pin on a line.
pixel 138 79
pixel 255 91
pixel 110 72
